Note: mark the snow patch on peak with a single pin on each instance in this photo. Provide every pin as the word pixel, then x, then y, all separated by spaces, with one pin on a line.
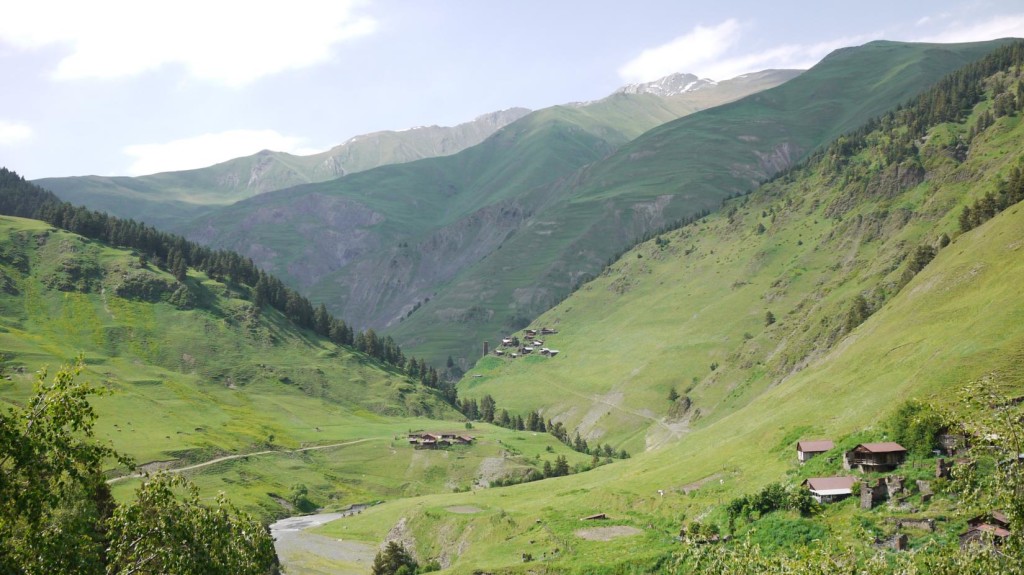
pixel 669 85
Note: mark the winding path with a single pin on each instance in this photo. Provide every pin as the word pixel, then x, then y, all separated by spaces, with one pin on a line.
pixel 675 434
pixel 241 455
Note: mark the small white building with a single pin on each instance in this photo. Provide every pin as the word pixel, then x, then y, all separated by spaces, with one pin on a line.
pixel 830 489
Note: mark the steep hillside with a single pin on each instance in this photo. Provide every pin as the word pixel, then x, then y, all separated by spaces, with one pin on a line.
pixel 672 173
pixel 163 345
pixel 847 224
pixel 378 243
pixel 817 251
pixel 167 199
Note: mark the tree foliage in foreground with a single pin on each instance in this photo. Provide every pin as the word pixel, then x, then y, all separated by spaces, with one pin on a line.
pixel 57 515
pixel 160 533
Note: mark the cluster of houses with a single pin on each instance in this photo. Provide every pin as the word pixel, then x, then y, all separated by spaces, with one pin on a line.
pixel 883 457
pixel 512 347
pixel 865 457
pixel 438 440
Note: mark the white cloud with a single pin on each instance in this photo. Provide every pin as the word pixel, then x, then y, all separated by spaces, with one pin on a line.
pixel 11 133
pixel 789 56
pixel 711 53
pixel 229 41
pixel 1009 25
pixel 684 54
pixel 209 149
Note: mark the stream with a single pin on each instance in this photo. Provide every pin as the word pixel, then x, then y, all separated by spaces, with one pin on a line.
pixel 302 552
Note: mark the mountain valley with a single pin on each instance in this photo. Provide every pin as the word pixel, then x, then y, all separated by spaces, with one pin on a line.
pixel 723 270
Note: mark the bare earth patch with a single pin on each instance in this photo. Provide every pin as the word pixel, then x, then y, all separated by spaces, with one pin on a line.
pixel 699 483
pixel 491 468
pixel 607 533
pixel 463 509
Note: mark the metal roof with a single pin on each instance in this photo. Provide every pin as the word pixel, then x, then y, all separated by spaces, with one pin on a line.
pixel 885 447
pixel 815 446
pixel 823 484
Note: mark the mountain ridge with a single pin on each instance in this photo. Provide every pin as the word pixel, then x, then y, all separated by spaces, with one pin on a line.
pixel 182 194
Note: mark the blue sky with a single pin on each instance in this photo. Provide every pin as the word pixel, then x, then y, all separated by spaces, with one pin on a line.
pixel 127 88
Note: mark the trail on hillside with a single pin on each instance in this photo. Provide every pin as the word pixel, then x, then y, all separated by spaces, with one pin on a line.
pixel 674 433
pixel 241 455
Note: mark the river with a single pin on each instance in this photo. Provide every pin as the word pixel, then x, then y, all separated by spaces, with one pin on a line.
pixel 305 553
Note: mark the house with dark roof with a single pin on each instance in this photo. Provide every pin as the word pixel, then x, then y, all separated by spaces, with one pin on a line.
pixel 830 489
pixel 436 440
pixel 805 450
pixel 874 457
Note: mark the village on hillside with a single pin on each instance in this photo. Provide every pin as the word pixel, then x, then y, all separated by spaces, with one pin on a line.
pixel 512 347
pixel 872 463
pixel 885 457
pixel 439 440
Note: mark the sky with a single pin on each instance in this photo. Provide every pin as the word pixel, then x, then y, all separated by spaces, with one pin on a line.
pixel 122 87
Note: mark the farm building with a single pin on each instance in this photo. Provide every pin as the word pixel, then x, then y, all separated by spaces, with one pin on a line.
pixel 830 489
pixel 994 525
pixel 805 450
pixel 436 440
pixel 872 457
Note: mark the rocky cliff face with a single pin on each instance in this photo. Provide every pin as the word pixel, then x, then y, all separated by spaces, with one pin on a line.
pixel 394 147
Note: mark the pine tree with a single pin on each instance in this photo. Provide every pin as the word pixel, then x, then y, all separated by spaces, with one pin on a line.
pixel 393 559
pixel 561 466
pixel 322 321
pixel 487 406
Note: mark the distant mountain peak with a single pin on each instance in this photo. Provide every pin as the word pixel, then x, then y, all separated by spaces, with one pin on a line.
pixel 672 85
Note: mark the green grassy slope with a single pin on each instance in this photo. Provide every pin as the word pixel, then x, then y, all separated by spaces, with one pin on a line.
pixel 187 385
pixel 845 392
pixel 662 316
pixel 672 172
pixel 654 320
